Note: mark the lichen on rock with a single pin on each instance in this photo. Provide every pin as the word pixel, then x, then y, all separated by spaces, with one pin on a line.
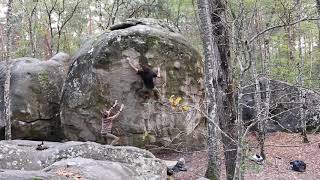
pixel 100 74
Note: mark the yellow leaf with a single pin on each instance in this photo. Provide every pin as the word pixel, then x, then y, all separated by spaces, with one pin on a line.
pixel 171 99
pixel 177 101
pixel 186 108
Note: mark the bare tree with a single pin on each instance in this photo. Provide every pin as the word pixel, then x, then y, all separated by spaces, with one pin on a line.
pixel 49 11
pixel 141 8
pixel 262 85
pixel 318 23
pixel 224 88
pixel 8 135
pixel 62 21
pixel 63 17
pixel 114 11
pixel 90 23
pixel 287 18
pixel 2 43
pixel 178 18
pixel 213 18
pixel 243 56
pixel 211 58
pixel 30 18
pixel 302 93
pixel 108 13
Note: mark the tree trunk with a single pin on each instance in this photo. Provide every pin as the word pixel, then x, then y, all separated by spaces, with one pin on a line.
pixel 211 58
pixel 242 55
pixel 290 41
pixel 50 39
pixel 32 48
pixel 2 42
pixel 318 8
pixel 262 85
pixel 311 61
pixel 30 29
pixel 225 92
pixel 100 15
pixel 222 77
pixel 263 101
pixel 8 135
pixel 302 94
pixel 90 26
pixel 58 42
pixel 47 45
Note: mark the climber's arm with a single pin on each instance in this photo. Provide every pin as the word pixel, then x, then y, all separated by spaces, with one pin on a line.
pixel 158 73
pixel 118 113
pixel 133 67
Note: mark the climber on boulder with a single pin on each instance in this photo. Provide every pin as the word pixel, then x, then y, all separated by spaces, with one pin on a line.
pixel 107 117
pixel 147 75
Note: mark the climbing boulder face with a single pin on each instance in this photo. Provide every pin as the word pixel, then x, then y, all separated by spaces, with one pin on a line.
pixel 100 74
pixel 34 91
pixel 285 108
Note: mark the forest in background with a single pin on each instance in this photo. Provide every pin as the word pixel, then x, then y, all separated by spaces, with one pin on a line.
pixel 244 42
pixel 42 28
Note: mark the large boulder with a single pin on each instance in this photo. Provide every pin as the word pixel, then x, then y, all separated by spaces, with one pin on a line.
pixel 100 74
pixel 85 160
pixel 27 175
pixel 35 98
pixel 285 107
pixel 63 59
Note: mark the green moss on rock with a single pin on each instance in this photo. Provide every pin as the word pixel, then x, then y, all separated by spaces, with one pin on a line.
pixel 43 78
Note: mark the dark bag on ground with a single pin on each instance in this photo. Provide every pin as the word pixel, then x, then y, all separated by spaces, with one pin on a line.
pixel 298 165
pixel 179 166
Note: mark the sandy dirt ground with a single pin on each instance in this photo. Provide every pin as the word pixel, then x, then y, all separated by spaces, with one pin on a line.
pixel 281 148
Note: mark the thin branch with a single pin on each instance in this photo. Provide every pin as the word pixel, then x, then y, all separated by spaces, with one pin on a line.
pixel 280 26
pixel 216 125
pixel 71 15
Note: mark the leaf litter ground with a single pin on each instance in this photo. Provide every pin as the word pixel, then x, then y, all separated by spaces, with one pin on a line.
pixel 281 148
